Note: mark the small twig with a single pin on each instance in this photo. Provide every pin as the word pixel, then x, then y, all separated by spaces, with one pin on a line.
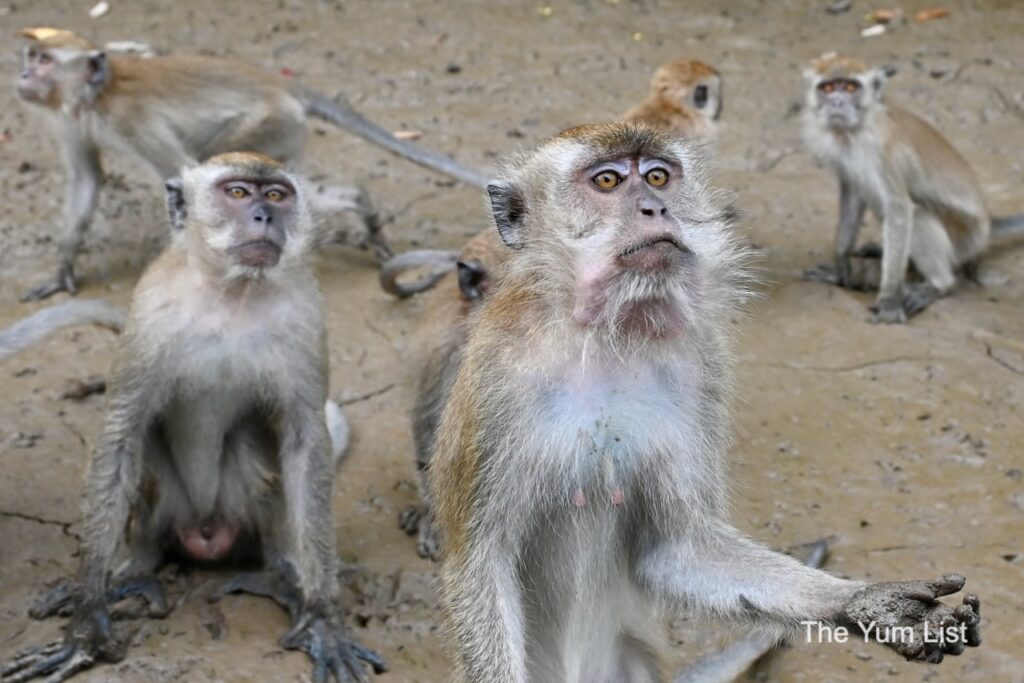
pixel 367 396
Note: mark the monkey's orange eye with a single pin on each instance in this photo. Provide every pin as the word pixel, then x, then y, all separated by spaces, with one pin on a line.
pixel 827 87
pixel 238 192
pixel 45 58
pixel 656 177
pixel 607 180
pixel 275 195
pixel 850 86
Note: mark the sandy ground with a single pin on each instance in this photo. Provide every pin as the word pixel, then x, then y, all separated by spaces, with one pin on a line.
pixel 900 444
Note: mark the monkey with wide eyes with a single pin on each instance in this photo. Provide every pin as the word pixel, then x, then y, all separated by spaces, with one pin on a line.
pixel 219 445
pixel 438 342
pixel 177 110
pixel 685 97
pixel 579 472
pixel 933 213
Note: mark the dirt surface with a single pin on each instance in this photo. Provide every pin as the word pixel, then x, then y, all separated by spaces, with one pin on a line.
pixel 903 445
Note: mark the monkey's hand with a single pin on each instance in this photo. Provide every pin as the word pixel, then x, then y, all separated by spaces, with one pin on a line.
pixel 320 635
pixel 64 281
pixel 907 616
pixel 66 596
pixel 88 638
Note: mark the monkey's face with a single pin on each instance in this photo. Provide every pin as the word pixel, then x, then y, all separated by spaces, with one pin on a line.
pixel 37 82
pixel 839 102
pixel 690 84
pixel 618 223
pixel 257 213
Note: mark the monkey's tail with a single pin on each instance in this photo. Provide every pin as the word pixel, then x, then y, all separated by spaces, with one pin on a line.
pixel 29 330
pixel 442 261
pixel 337 427
pixel 341 114
pixel 1007 227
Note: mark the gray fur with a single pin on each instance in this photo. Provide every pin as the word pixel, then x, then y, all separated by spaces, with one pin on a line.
pixel 40 324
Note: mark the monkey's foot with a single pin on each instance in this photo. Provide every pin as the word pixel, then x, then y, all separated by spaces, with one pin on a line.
pixel 280 584
pixel 918 296
pixel 907 616
pixel 334 655
pixel 64 281
pixel 822 273
pixel 889 311
pixel 63 599
pixel 88 638
pixel 416 520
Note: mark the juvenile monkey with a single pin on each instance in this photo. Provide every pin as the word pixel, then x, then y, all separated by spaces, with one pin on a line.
pixel 579 471
pixel 685 97
pixel 931 206
pixel 31 329
pixel 173 111
pixel 439 340
pixel 217 445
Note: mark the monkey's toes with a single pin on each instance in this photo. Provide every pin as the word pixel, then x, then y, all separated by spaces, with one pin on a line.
pixel 826 274
pixel 409 519
pixel 59 600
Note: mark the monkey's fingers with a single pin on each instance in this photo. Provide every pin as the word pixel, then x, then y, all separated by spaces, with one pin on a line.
pixel 946 585
pixel 969 613
pixel 146 587
pixel 59 600
pixel 58 661
pixel 409 520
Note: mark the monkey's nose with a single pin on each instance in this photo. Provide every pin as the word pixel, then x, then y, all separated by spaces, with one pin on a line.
pixel 206 532
pixel 261 215
pixel 650 206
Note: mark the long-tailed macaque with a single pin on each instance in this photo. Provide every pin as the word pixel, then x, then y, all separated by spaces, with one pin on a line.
pixel 438 342
pixel 174 111
pixel 685 97
pixel 579 474
pixel 933 213
pixel 217 445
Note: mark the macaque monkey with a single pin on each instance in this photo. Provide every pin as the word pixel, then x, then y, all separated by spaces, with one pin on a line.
pixel 219 445
pixel 685 97
pixel 31 329
pixel 579 472
pixel 174 111
pixel 439 340
pixel 931 206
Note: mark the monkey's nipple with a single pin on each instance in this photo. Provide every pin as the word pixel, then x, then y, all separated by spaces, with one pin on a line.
pixel 579 499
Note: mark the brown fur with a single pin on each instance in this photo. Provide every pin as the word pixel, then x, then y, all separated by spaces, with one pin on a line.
pixel 671 85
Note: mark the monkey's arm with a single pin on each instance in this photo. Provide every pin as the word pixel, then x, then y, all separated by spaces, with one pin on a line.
pixel 84 178
pixel 851 216
pixel 897 232
pixel 720 571
pixel 341 114
pixel 307 472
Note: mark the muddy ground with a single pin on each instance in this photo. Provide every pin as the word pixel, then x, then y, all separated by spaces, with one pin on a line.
pixel 903 445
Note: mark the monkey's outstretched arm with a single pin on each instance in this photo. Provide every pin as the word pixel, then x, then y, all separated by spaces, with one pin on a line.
pixel 341 114
pixel 28 331
pixel 725 573
pixel 85 176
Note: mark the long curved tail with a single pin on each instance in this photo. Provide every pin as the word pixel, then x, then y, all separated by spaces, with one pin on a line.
pixel 341 114
pixel 442 261
pixel 28 331
pixel 1007 227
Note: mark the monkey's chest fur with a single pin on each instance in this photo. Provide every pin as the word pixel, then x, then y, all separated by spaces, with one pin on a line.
pixel 609 445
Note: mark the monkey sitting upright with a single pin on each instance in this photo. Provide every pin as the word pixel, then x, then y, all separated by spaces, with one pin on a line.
pixel 438 343
pixel 217 446
pixel 173 111
pixel 931 206
pixel 685 97
pixel 579 472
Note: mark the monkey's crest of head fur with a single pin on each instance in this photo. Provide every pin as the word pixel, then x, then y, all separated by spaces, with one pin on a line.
pixel 680 71
pixel 831 65
pixel 570 244
pixel 55 38
pixel 208 230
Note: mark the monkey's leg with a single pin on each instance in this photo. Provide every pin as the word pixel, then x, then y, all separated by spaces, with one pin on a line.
pixel 280 584
pixel 933 255
pixel 329 202
pixel 851 216
pixel 85 175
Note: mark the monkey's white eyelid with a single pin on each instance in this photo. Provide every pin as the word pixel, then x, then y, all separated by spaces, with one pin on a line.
pixel 648 165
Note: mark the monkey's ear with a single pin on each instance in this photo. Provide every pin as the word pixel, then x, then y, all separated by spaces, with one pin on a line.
pixel 880 76
pixel 472 279
pixel 177 212
pixel 97 69
pixel 509 211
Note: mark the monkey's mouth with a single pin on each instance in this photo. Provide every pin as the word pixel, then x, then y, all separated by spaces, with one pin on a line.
pixel 655 252
pixel 258 254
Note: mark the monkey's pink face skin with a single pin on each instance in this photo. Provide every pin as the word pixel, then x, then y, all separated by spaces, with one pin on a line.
pixel 36 83
pixel 261 208
pixel 624 273
pixel 839 102
pixel 207 543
